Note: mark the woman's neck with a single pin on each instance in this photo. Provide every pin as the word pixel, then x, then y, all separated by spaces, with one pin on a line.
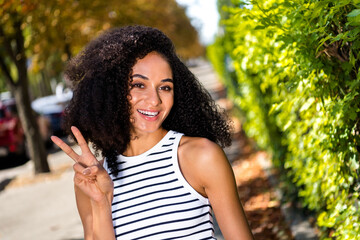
pixel 141 143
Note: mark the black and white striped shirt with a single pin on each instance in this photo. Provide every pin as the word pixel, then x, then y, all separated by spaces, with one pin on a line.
pixel 152 199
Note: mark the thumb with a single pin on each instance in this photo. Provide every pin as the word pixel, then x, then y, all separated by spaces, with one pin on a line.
pixel 96 169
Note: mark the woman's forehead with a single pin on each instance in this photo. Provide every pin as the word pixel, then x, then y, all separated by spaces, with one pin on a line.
pixel 152 64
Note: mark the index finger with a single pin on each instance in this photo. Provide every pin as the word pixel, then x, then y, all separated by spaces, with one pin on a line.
pixel 68 150
pixel 80 139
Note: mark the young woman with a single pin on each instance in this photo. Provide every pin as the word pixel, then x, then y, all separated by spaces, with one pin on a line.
pixel 163 173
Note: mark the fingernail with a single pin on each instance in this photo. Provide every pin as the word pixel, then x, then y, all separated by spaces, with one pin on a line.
pixel 87 171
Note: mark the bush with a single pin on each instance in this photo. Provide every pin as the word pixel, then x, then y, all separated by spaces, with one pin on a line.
pixel 292 67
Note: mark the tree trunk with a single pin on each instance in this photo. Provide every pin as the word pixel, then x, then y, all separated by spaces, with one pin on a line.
pixel 35 143
pixel 20 90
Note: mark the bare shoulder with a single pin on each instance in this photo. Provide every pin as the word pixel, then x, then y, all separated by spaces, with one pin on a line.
pixel 202 148
pixel 200 158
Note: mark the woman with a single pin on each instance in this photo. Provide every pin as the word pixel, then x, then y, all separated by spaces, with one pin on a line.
pixel 157 129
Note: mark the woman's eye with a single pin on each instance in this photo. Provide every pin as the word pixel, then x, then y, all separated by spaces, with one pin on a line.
pixel 166 88
pixel 137 85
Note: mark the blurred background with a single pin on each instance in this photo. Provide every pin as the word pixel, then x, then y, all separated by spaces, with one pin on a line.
pixel 38 38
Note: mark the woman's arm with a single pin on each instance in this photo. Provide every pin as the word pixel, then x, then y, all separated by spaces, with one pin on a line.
pixel 85 211
pixel 95 216
pixel 102 220
pixel 94 197
pixel 207 169
pixel 93 190
pixel 220 187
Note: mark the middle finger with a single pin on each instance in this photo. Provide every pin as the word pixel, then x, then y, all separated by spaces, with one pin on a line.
pixel 80 139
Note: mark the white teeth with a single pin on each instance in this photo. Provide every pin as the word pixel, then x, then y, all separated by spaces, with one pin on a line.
pixel 152 114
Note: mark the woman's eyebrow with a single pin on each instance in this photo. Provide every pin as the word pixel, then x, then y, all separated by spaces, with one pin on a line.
pixel 139 76
pixel 167 80
pixel 146 78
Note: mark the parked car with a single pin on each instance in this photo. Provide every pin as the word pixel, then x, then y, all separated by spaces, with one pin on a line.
pixel 53 107
pixel 12 136
pixel 12 139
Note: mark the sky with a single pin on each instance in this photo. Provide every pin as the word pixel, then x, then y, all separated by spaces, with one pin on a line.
pixel 204 16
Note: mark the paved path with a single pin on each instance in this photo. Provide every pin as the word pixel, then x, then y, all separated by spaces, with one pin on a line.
pixel 43 207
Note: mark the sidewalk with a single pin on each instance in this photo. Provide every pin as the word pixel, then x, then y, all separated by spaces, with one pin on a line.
pixel 40 207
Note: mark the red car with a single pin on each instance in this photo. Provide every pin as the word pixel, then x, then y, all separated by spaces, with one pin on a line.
pixel 12 139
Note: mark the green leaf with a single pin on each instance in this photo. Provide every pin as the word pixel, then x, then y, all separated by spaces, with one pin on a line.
pixel 354 13
pixel 258 27
pixel 354 163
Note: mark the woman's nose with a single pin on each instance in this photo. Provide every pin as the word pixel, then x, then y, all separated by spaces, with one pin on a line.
pixel 153 97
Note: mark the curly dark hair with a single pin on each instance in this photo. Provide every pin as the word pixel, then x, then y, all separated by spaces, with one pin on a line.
pixel 100 107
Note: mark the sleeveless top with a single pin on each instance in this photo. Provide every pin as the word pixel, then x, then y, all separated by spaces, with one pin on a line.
pixel 152 199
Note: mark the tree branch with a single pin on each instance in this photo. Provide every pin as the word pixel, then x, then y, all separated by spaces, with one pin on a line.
pixel 7 44
pixel 19 38
pixel 5 69
pixel 20 58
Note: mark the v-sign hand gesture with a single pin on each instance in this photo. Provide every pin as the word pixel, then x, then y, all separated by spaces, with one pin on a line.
pixel 90 176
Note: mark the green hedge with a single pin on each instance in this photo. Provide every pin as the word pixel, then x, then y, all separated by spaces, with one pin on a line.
pixel 292 67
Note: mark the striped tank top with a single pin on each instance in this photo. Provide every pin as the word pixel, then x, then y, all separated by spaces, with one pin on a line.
pixel 152 199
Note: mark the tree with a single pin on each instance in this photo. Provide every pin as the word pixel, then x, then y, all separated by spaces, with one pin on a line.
pixel 13 57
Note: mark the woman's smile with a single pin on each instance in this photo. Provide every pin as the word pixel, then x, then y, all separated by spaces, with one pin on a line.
pixel 149 115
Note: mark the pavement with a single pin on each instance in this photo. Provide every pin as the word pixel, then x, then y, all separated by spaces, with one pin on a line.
pixel 42 207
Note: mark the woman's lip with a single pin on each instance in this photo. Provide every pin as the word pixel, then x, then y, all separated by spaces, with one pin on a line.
pixel 148 112
pixel 149 117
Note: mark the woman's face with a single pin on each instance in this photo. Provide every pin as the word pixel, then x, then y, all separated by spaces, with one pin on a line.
pixel 152 94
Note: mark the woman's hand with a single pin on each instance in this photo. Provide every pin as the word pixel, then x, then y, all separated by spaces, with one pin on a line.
pixel 90 176
pixel 93 190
